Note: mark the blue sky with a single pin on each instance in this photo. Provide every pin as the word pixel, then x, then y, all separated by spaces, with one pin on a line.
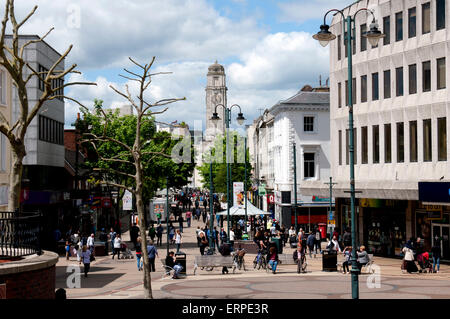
pixel 265 46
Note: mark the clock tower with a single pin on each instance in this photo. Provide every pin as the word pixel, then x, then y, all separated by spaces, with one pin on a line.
pixel 216 93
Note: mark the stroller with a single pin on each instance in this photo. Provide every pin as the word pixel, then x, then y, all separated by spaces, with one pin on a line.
pixel 424 262
pixel 126 252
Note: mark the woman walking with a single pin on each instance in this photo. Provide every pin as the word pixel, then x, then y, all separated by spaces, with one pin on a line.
pixel 409 258
pixel 86 255
pixel 139 253
pixel 178 240
pixel 203 243
pixel 117 243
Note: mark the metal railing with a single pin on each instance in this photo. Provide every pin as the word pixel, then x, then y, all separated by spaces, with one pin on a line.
pixel 19 234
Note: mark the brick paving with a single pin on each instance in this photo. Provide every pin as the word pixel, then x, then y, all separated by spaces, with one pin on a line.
pixel 120 279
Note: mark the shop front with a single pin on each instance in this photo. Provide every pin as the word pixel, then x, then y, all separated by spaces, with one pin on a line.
pixel 384 226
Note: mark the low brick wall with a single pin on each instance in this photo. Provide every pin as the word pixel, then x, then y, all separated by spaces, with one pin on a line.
pixel 30 278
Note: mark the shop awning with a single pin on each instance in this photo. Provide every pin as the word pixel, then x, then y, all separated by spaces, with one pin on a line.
pixel 240 211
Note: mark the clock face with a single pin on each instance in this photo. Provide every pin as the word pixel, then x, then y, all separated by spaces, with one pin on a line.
pixel 216 98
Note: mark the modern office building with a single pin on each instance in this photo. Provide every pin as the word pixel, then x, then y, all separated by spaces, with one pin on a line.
pixel 401 106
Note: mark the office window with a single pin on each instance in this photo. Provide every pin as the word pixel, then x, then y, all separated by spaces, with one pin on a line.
pixel 2 87
pixel 354 91
pixel 355 146
pixel 363 88
pixel 412 70
pixel 387 144
pixel 346 93
pixel 411 22
pixel 376 143
pixel 308 124
pixel 2 152
pixel 440 73
pixel 387 30
pixel 399 81
pixel 345 44
pixel 440 14
pixel 399 26
pixel 442 138
pixel 339 95
pixel 354 42
pixel 426 76
pixel 375 93
pixel 51 131
pixel 413 141
pixel 363 40
pixel 427 140
pixel 340 147
pixel 347 146
pixel 426 18
pixel 400 143
pixel 309 165
pixel 387 84
pixel 339 47
pixel 364 145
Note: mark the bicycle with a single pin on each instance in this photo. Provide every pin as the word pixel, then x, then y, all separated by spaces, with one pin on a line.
pixel 260 260
pixel 238 259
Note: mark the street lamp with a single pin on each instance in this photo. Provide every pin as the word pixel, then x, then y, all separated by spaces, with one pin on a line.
pixel 240 119
pixel 324 37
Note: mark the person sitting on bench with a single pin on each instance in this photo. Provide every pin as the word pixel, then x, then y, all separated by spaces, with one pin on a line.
pixel 170 262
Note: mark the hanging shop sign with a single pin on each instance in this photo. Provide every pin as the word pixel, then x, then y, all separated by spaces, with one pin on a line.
pixel 238 194
pixel 127 201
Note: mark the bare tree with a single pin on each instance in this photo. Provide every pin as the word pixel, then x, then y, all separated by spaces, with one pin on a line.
pixel 12 59
pixel 134 155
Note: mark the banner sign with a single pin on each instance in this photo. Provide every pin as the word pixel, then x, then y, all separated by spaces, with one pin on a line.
pixel 238 194
pixel 127 201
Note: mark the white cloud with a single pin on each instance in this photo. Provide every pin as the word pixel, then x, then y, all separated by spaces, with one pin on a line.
pixel 304 10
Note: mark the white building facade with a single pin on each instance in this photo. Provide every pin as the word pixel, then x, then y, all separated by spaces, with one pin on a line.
pixel 401 106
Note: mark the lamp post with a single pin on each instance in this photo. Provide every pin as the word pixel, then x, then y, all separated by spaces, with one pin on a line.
pixel 240 119
pixel 245 181
pixel 167 213
pixel 295 186
pixel 211 218
pixel 324 37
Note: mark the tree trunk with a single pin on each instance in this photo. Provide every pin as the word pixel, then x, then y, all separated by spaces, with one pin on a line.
pixel 15 178
pixel 143 229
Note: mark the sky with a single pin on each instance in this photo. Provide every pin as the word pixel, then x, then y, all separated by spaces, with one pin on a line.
pixel 266 47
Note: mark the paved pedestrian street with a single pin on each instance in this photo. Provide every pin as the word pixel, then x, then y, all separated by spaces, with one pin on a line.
pixel 120 279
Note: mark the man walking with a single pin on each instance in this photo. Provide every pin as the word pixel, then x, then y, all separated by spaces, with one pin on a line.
pixel 134 234
pixel 310 243
pixel 188 218
pixel 152 254
pixel 180 221
pixel 159 233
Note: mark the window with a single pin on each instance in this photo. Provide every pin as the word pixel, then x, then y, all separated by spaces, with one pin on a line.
pixel 375 94
pixel 387 30
pixel 426 76
pixel 51 131
pixel 400 143
pixel 426 18
pixel 309 165
pixel 345 44
pixel 308 124
pixel 440 73
pixel 340 147
pixel 387 144
pixel 339 47
pixel 412 70
pixel 387 84
pixel 355 146
pixel 363 88
pixel 2 87
pixel 413 141
pixel 412 22
pixel 346 93
pixel 376 143
pixel 363 30
pixel 442 138
pixel 339 95
pixel 440 14
pixel 56 84
pixel 427 140
pixel 347 146
pixel 354 42
pixel 399 81
pixel 399 26
pixel 354 91
pixel 2 152
pixel 364 145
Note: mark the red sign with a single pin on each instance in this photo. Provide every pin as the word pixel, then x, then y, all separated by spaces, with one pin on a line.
pixel 313 219
pixel 270 198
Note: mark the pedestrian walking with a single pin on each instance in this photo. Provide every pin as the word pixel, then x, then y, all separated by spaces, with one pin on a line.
pixel 152 232
pixel 134 233
pixel 310 243
pixel 79 249
pixel 272 258
pixel 216 236
pixel 436 251
pixel 223 236
pixel 318 241
pixel 117 243
pixel 347 238
pixel 203 243
pixel 111 236
pixel 188 218
pixel 171 233
pixel 232 239
pixel 90 243
pixel 178 240
pixel 86 256
pixel 138 248
pixel 409 264
pixel 347 254
pixel 180 222
pixel 159 233
pixel 67 250
pixel 152 254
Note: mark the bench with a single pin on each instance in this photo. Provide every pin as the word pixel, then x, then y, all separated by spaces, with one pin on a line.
pixel 366 269
pixel 168 271
pixel 288 259
pixel 211 261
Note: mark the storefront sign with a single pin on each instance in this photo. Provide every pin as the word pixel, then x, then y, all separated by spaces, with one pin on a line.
pixel 320 199
pixel 438 192
pixel 262 190
pixel 271 199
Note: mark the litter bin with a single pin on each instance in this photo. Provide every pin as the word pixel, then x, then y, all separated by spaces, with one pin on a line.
pixel 277 243
pixel 329 261
pixel 181 259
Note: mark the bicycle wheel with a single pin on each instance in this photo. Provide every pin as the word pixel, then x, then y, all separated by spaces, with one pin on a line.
pixel 255 262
